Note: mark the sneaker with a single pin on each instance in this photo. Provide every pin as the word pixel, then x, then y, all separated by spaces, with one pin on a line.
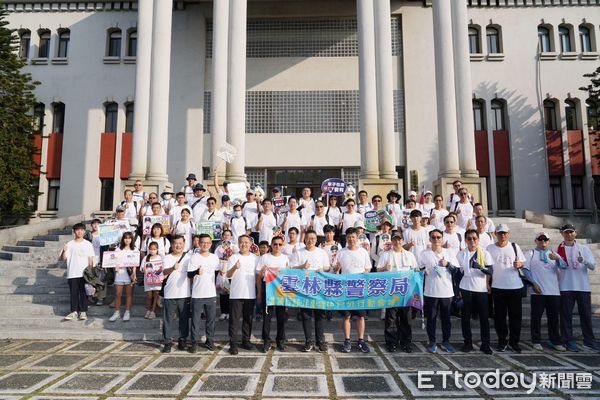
pixel 126 316
pixel 382 316
pixel 538 346
pixel 247 346
pixel 501 348
pixel 82 316
pixel 116 315
pixel 390 347
pixel 152 315
pixel 407 348
pixel 71 316
pixel 514 347
pixel 467 347
pixel 181 344
pixel 222 317
pixel 209 345
pixel 592 345
pixel 363 346
pixel 167 348
pixel 432 348
pixel 193 348
pixel 322 347
pixel 485 348
pixel 572 346
pixel 447 347
pixel 147 314
pixel 100 302
pixel 233 349
pixel 281 346
pixel 308 346
pixel 226 316
pixel 347 346
pixel 557 347
pixel 265 347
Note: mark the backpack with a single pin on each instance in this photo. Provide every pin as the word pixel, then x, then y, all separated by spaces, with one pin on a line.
pixel 135 205
pixel 524 279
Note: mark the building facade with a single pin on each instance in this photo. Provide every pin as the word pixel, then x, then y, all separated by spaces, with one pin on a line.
pixel 410 93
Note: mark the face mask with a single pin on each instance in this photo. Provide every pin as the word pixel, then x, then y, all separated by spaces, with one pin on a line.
pixel 237 214
pixel 167 197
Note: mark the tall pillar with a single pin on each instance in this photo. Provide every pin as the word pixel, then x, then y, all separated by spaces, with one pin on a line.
pixel 385 90
pixel 141 105
pixel 445 96
pixel 218 119
pixel 160 80
pixel 369 157
pixel 462 77
pixel 236 116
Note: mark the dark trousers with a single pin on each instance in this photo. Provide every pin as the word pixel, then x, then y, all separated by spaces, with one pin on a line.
pixel 397 326
pixel 432 306
pixel 268 312
pixel 508 302
pixel 551 304
pixel 224 303
pixel 176 309
pixel 78 297
pixel 306 315
pixel 475 302
pixel 584 308
pixel 240 309
pixel 208 306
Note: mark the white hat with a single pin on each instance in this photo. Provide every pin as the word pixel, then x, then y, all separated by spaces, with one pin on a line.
pixel 412 193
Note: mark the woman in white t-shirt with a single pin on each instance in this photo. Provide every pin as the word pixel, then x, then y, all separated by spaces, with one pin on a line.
pixel 156 236
pixel 124 278
pixel 185 227
pixel 152 267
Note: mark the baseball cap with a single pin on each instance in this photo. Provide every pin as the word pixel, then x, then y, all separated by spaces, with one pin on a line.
pixel 542 234
pixel 428 192
pixel 502 228
pixel 250 191
pixel 385 222
pixel 191 176
pixel 120 209
pixel 360 224
pixel 397 235
pixel 412 193
pixel 567 228
pixel 198 186
pixel 276 190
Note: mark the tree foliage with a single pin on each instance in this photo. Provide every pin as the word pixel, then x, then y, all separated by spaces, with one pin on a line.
pixel 16 130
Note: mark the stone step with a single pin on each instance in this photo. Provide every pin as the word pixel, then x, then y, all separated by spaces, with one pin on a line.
pixel 54 238
pixel 49 255
pixel 57 322
pixel 40 243
pixel 61 232
pixel 34 289
pixel 76 334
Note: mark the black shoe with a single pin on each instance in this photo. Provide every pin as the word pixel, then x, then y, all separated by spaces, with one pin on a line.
pixel 203 317
pixel 247 346
pixel 467 347
pixel 265 347
pixel 501 348
pixel 485 347
pixel 407 348
pixel 308 346
pixel 209 345
pixel 329 315
pixel 514 347
pixel 281 346
pixel 167 348
pixel 322 347
pixel 181 344
pixel 193 348
pixel 391 348
pixel 233 349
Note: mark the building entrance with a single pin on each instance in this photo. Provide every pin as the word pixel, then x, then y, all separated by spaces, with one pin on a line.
pixel 291 181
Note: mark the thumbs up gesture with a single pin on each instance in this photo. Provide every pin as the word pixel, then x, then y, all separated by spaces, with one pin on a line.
pixel 443 262
pixel 580 258
pixel 553 256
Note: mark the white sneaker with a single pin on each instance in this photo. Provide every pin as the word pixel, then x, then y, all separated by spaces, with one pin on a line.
pixel 382 317
pixel 71 316
pixel 82 316
pixel 226 316
pixel 222 317
pixel 538 346
pixel 147 314
pixel 152 315
pixel 116 315
pixel 126 316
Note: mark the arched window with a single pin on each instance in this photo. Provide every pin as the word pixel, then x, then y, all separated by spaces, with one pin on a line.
pixel 24 43
pixel 498 115
pixel 585 39
pixel 474 40
pixel 58 122
pixel 39 111
pixel 44 47
pixel 564 34
pixel 478 112
pixel 550 120
pixel 129 117
pixel 64 35
pixel 571 115
pixel 111 111
pixel 492 35
pixel 114 43
pixel 131 43
pixel 544 39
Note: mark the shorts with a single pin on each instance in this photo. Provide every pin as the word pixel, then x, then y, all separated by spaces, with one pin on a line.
pixel 357 313
pixel 152 288
pixel 123 283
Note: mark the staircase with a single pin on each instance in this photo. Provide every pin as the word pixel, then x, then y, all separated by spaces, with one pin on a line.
pixel 34 297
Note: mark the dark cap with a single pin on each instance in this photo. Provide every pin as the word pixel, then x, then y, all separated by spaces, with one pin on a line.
pixel 397 235
pixel 225 198
pixel 276 189
pixel 385 222
pixel 191 176
pixel 120 209
pixel 393 193
pixel 567 228
pixel 198 186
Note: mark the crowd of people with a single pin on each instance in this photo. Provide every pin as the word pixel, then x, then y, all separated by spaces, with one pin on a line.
pixel 470 267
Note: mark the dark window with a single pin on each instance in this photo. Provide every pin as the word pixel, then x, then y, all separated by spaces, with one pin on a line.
pixel 53 193
pixel 112 111
pixel 24 44
pixel 474 41
pixel 63 43
pixel 585 38
pixel 132 44
pixel 129 117
pixel 35 183
pixel 38 118
pixel 114 43
pixel 571 115
pixel 44 48
pixel 593 114
pixel 493 40
pixel 544 39
pixel 478 120
pixel 498 114
pixel 564 35
pixel 58 122
pixel 106 194
pixel 550 121
pixel 503 192
pixel 556 193
pixel 577 189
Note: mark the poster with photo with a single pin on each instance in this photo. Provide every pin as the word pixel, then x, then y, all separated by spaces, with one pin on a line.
pixel 150 220
pixel 112 231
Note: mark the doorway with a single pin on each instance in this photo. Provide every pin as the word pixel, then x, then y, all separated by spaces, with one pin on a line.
pixel 292 181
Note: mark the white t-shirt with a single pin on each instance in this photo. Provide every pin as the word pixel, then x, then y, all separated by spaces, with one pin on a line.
pixel 272 262
pixel 420 238
pixel 318 223
pixel 350 220
pixel 288 248
pixel 575 276
pixel 175 213
pixel 198 206
pixel 269 221
pixel 489 224
pixel 211 216
pixel 250 211
pixel 455 240
pixel 131 209
pixel 465 215
pixel 334 214
pixel 295 219
pixel 505 275
pixel 239 227
pixel 438 279
pixel 243 283
pixel 139 197
pixel 203 284
pixel 545 274
pixel 485 239
pixel 163 245
pixel 178 284
pixel 363 208
pixel 308 206
pixel 426 207
pixel 354 261
pixel 473 279
pixel 436 218
pixel 186 230
pixel 397 260
pixel 78 254
pixel 453 198
pixel 317 259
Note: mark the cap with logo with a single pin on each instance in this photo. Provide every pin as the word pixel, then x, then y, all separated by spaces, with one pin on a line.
pixel 542 235
pixel 567 228
pixel 502 228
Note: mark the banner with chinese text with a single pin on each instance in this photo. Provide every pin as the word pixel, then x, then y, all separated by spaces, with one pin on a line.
pixel 325 291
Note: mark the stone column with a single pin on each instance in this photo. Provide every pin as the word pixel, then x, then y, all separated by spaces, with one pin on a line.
pixel 369 157
pixel 236 116
pixel 445 89
pixel 218 119
pixel 385 90
pixel 462 78
pixel 159 100
pixel 142 90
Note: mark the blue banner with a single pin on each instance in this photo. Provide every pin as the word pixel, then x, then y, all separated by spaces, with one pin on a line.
pixel 325 291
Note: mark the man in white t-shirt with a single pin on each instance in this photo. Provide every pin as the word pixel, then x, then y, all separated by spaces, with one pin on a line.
pixel 349 219
pixel 454 197
pixel 476 263
pixel 242 294
pixel 478 210
pixel 454 236
pixel 250 211
pixel 202 268
pixel 176 300
pixel 267 222
pixel 438 264
pixel 318 221
pixel 481 226
pixel 463 209
pixel 175 212
pixel 574 285
pixel 363 204
pixel 79 254
pixel 132 207
pixel 197 202
pixel 306 203
pixel 507 289
pixel 397 259
pixel 354 259
pixel 438 213
pixel 416 238
pixel 271 263
pixel 138 193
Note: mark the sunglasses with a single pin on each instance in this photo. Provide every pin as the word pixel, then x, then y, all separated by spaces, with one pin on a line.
pixel 436 237
pixel 543 239
pixel 376 201
pixel 471 239
pixel 449 222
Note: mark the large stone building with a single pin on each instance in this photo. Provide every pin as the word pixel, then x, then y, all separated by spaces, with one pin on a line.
pixel 381 93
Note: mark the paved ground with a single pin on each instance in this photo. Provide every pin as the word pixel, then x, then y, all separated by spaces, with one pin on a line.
pixel 120 370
